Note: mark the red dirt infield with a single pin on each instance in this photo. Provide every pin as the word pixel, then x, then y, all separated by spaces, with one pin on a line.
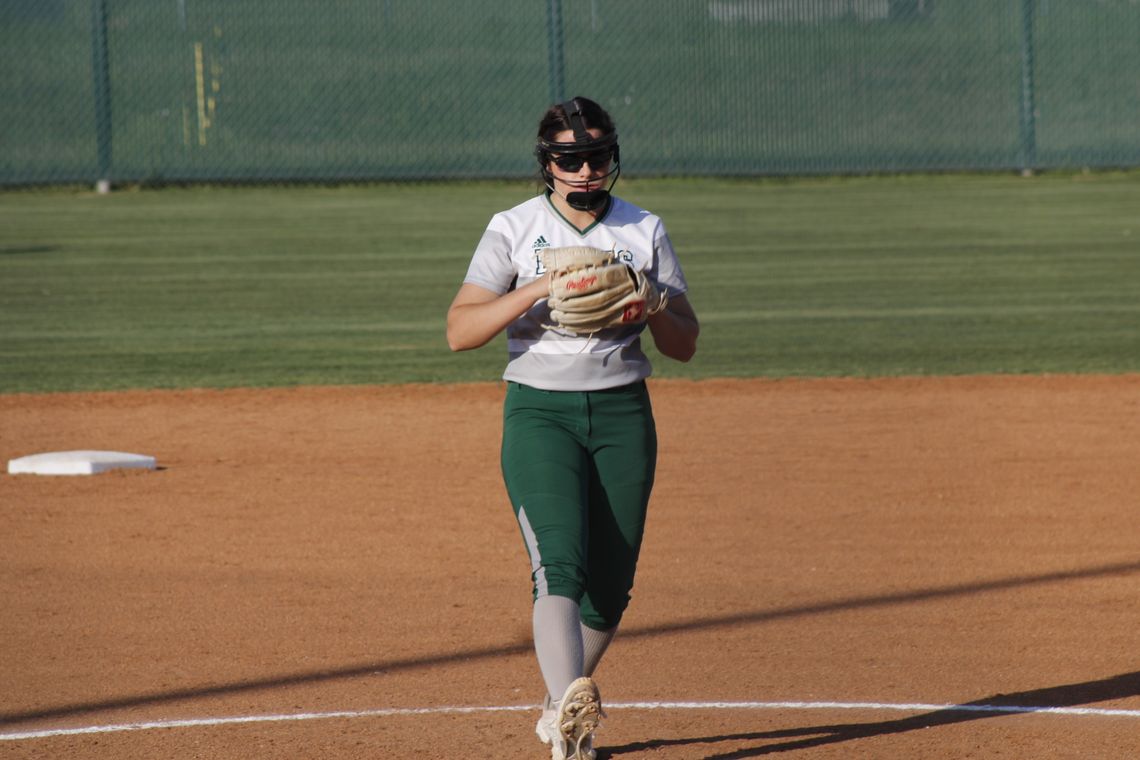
pixel 827 562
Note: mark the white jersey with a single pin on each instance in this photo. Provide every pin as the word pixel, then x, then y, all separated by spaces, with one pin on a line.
pixel 510 255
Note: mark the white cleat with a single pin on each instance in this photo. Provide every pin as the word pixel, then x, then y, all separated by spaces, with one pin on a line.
pixel 569 726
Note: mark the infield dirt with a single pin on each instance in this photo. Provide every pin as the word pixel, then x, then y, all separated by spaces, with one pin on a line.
pixel 965 540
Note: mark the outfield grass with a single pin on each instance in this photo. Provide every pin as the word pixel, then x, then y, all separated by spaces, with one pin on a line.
pixel 217 287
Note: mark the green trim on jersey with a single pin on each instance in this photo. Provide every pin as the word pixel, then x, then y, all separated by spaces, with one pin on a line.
pixel 511 247
pixel 585 231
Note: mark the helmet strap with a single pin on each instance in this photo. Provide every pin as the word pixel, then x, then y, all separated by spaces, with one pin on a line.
pixel 574 115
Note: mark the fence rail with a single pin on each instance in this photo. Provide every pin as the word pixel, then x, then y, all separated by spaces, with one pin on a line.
pixel 252 90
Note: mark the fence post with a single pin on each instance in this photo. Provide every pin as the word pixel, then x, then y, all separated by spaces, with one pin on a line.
pixel 554 51
pixel 1028 96
pixel 101 85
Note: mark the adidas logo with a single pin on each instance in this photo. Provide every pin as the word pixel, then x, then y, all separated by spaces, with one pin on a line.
pixel 540 243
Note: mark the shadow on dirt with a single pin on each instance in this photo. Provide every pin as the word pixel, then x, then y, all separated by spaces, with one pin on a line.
pixel 1119 686
pixel 792 739
pixel 885 600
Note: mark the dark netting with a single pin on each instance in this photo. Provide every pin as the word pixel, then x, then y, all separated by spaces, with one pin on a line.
pixel 329 90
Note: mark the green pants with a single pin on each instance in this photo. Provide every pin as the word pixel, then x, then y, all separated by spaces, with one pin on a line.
pixel 579 469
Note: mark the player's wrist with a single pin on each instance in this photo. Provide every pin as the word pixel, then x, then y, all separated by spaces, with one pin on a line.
pixel 538 289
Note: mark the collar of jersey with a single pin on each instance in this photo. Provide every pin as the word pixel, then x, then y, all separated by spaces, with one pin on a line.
pixel 595 223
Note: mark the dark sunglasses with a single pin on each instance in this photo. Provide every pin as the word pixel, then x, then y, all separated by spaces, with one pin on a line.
pixel 574 163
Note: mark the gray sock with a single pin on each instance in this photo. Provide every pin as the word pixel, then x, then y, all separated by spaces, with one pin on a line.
pixel 594 645
pixel 557 642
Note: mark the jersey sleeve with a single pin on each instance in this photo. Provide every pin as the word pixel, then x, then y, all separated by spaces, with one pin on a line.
pixel 668 272
pixel 491 266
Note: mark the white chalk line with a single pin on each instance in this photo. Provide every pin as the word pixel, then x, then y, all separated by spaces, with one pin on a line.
pixel 412 711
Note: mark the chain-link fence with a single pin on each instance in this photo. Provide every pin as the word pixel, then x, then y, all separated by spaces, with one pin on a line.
pixel 261 90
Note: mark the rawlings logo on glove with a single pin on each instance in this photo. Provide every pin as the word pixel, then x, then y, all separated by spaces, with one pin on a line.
pixel 590 291
pixel 582 283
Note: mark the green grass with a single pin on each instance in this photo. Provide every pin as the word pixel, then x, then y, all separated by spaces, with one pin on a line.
pixel 217 287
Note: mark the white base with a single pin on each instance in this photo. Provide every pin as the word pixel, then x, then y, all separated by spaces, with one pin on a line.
pixel 78 463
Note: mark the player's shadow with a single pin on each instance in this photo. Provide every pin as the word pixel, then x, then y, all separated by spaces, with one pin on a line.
pixel 792 739
pixel 522 647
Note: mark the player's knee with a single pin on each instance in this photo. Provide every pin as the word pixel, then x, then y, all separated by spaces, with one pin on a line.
pixel 602 612
pixel 559 580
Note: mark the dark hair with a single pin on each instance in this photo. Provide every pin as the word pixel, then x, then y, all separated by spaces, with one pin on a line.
pixel 556 119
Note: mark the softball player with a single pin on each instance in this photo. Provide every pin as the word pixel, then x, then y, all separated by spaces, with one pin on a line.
pixel 579 445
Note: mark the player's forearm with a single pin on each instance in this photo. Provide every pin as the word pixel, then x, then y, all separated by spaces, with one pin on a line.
pixel 474 324
pixel 675 333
